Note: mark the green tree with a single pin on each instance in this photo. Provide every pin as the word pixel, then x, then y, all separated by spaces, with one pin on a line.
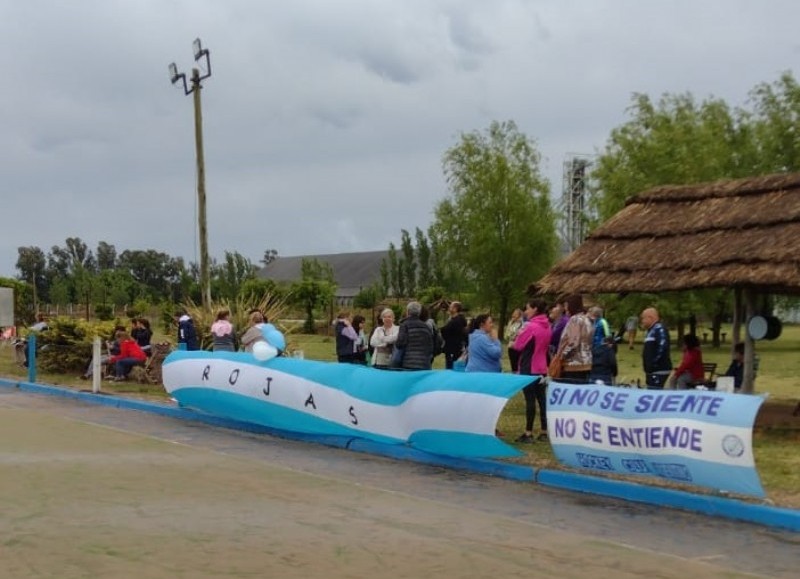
pixel 315 289
pixel 775 123
pixel 423 255
pixel 497 226
pixel 230 276
pixel 270 255
pixel 409 264
pixel 106 256
pixel 155 273
pixel 32 268
pixel 675 141
pixel 395 275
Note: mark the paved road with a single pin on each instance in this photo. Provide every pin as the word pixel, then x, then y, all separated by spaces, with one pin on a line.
pixel 88 490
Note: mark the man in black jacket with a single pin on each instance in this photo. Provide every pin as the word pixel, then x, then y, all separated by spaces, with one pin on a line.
pixel 655 355
pixel 416 340
pixel 454 333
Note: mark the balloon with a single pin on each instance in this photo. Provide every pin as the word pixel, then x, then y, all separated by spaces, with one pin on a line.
pixel 262 351
pixel 273 336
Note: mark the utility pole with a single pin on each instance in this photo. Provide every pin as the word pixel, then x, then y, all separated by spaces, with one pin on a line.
pixel 202 223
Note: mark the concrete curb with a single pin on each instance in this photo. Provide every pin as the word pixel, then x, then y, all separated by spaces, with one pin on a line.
pixel 717 506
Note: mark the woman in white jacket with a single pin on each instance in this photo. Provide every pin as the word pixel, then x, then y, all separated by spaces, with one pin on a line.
pixel 383 339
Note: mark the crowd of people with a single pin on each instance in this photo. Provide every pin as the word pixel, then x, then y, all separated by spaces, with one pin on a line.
pixel 578 338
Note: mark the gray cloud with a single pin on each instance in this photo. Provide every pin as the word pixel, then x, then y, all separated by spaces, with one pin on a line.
pixel 325 122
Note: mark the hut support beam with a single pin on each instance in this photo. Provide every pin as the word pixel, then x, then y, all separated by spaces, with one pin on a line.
pixel 736 330
pixel 748 378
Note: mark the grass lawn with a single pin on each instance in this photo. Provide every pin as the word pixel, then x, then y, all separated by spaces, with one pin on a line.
pixel 776 437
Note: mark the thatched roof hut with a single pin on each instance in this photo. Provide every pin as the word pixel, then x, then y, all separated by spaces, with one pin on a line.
pixel 742 233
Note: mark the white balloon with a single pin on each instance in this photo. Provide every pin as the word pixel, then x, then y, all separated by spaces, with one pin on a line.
pixel 263 351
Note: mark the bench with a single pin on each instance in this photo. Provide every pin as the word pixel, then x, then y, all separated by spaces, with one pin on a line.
pixel 150 372
pixel 709 378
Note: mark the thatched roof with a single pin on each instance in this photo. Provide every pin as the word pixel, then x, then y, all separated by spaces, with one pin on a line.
pixel 740 233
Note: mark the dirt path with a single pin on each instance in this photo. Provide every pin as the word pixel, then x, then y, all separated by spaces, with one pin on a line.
pixel 151 497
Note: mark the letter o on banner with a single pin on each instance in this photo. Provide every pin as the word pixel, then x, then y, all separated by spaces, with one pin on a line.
pixel 263 351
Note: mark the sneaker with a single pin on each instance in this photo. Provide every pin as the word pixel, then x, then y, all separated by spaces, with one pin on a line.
pixel 525 438
pixel 120 379
pixel 542 437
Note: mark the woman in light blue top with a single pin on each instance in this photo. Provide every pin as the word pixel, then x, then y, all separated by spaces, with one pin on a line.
pixel 485 350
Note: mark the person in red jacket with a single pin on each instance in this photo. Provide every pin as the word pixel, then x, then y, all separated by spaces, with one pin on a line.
pixel 691 366
pixel 130 355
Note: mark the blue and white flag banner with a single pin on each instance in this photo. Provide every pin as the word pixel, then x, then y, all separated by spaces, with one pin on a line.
pixel 696 437
pixel 442 412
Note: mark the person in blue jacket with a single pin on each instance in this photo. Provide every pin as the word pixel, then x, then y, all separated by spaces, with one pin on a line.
pixel 484 349
pixel 186 331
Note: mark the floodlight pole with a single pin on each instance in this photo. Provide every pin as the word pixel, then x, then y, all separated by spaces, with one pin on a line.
pixel 202 223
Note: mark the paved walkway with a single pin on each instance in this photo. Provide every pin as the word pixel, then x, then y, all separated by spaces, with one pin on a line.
pixel 90 491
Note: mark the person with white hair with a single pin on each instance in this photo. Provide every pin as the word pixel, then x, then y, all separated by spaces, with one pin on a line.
pixel 416 340
pixel 383 340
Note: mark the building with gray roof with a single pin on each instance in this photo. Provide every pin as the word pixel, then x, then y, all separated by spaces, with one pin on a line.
pixel 352 272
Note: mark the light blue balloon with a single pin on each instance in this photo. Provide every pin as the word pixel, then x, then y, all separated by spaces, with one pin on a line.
pixel 274 336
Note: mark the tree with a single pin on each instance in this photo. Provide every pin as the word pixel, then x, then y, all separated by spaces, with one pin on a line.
pixel 409 264
pixel 497 225
pixel 423 256
pixel 106 256
pixel 32 266
pixel 675 141
pixel 395 276
pixel 775 123
pixel 230 276
pixel 316 288
pixel 155 273
pixel 680 141
pixel 270 255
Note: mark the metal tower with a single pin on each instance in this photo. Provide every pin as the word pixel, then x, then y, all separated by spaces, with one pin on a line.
pixel 574 199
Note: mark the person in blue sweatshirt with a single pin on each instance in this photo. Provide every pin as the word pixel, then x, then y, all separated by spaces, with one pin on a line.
pixel 484 349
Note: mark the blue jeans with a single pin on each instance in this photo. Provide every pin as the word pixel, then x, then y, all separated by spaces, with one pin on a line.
pixel 124 365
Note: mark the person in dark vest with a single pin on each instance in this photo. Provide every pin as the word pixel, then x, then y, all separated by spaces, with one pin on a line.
pixel 346 339
pixel 416 340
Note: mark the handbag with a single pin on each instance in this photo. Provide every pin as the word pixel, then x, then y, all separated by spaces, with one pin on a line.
pixel 460 364
pixel 555 369
pixel 397 357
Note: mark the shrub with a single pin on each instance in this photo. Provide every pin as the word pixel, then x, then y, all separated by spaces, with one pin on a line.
pixel 66 346
pixel 104 312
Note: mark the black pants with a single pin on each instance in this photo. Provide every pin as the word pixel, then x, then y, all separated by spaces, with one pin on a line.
pixel 656 381
pixel 574 378
pixel 449 358
pixel 535 392
pixel 513 359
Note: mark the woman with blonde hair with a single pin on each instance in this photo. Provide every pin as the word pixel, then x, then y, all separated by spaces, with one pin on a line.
pixel 383 340
pixel 253 333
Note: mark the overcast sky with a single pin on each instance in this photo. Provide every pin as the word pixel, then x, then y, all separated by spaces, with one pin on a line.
pixel 325 121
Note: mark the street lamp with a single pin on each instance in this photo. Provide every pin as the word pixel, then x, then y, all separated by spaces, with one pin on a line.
pixel 194 89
